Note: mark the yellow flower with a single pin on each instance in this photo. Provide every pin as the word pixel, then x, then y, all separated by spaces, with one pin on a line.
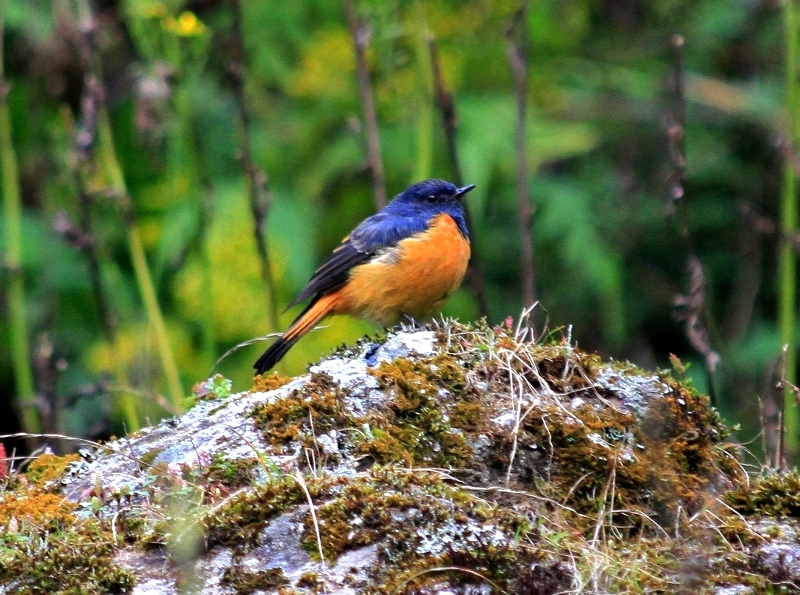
pixel 186 25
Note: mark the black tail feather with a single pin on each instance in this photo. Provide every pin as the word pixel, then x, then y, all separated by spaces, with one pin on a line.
pixel 311 315
pixel 274 354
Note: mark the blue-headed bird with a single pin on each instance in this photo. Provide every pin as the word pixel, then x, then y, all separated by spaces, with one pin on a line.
pixel 405 260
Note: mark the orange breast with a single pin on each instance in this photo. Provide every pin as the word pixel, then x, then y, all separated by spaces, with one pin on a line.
pixel 415 277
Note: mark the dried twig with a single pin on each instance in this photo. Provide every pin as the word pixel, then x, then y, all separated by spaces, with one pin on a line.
pixel 361 35
pixel 517 48
pixel 444 99
pixel 257 182
pixel 84 141
pixel 676 145
pixel 690 307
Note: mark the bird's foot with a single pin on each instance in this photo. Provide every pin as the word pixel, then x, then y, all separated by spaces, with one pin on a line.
pixel 369 354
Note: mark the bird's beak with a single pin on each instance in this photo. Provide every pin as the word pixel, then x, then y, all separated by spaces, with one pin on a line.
pixel 462 191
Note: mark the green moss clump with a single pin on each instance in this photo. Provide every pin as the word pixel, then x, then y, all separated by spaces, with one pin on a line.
pixel 423 523
pixel 775 495
pixel 425 420
pixel 244 582
pixel 49 467
pixel 240 520
pixel 45 548
pixel 291 418
pixel 428 410
pixel 78 562
pixel 231 473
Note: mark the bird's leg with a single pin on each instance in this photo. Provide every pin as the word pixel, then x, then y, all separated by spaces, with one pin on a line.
pixel 414 323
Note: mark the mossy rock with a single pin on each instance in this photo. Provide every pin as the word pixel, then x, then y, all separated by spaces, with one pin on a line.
pixel 452 459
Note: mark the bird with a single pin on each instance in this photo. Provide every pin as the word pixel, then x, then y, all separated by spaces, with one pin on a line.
pixel 404 261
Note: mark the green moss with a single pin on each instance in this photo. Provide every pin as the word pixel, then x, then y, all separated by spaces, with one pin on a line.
pixel 773 495
pixel 77 563
pixel 426 413
pixel 49 467
pixel 417 427
pixel 240 520
pixel 146 459
pixel 313 410
pixel 231 473
pixel 244 582
pixel 44 548
pixel 422 521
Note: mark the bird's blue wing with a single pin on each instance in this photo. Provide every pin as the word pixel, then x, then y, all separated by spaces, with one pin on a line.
pixel 380 231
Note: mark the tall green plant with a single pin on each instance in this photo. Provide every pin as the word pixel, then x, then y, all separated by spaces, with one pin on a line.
pixel 18 331
pixel 787 263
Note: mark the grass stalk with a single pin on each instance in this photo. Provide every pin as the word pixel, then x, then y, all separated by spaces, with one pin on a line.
pixel 787 262
pixel 17 314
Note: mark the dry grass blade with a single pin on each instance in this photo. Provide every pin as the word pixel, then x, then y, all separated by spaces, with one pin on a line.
pixel 447 569
pixel 302 483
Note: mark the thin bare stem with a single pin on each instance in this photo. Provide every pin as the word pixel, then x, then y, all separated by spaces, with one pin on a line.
pixel 444 99
pixel 17 312
pixel 107 158
pixel 302 483
pixel 676 139
pixel 517 48
pixel 83 238
pixel 691 306
pixel 361 35
pixel 257 181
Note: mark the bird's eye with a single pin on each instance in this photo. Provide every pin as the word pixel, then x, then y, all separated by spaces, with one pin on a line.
pixel 431 198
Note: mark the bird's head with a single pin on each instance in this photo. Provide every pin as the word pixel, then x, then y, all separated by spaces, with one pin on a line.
pixel 432 195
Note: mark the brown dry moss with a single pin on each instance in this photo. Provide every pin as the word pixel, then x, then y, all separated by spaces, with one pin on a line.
pixel 49 512
pixel 267 382
pixel 244 582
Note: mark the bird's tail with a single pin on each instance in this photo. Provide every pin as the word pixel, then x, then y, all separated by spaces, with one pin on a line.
pixel 314 312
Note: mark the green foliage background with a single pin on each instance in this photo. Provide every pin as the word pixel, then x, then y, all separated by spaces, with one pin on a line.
pixel 609 261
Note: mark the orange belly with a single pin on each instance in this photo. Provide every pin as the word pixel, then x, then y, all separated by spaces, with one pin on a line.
pixel 415 277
